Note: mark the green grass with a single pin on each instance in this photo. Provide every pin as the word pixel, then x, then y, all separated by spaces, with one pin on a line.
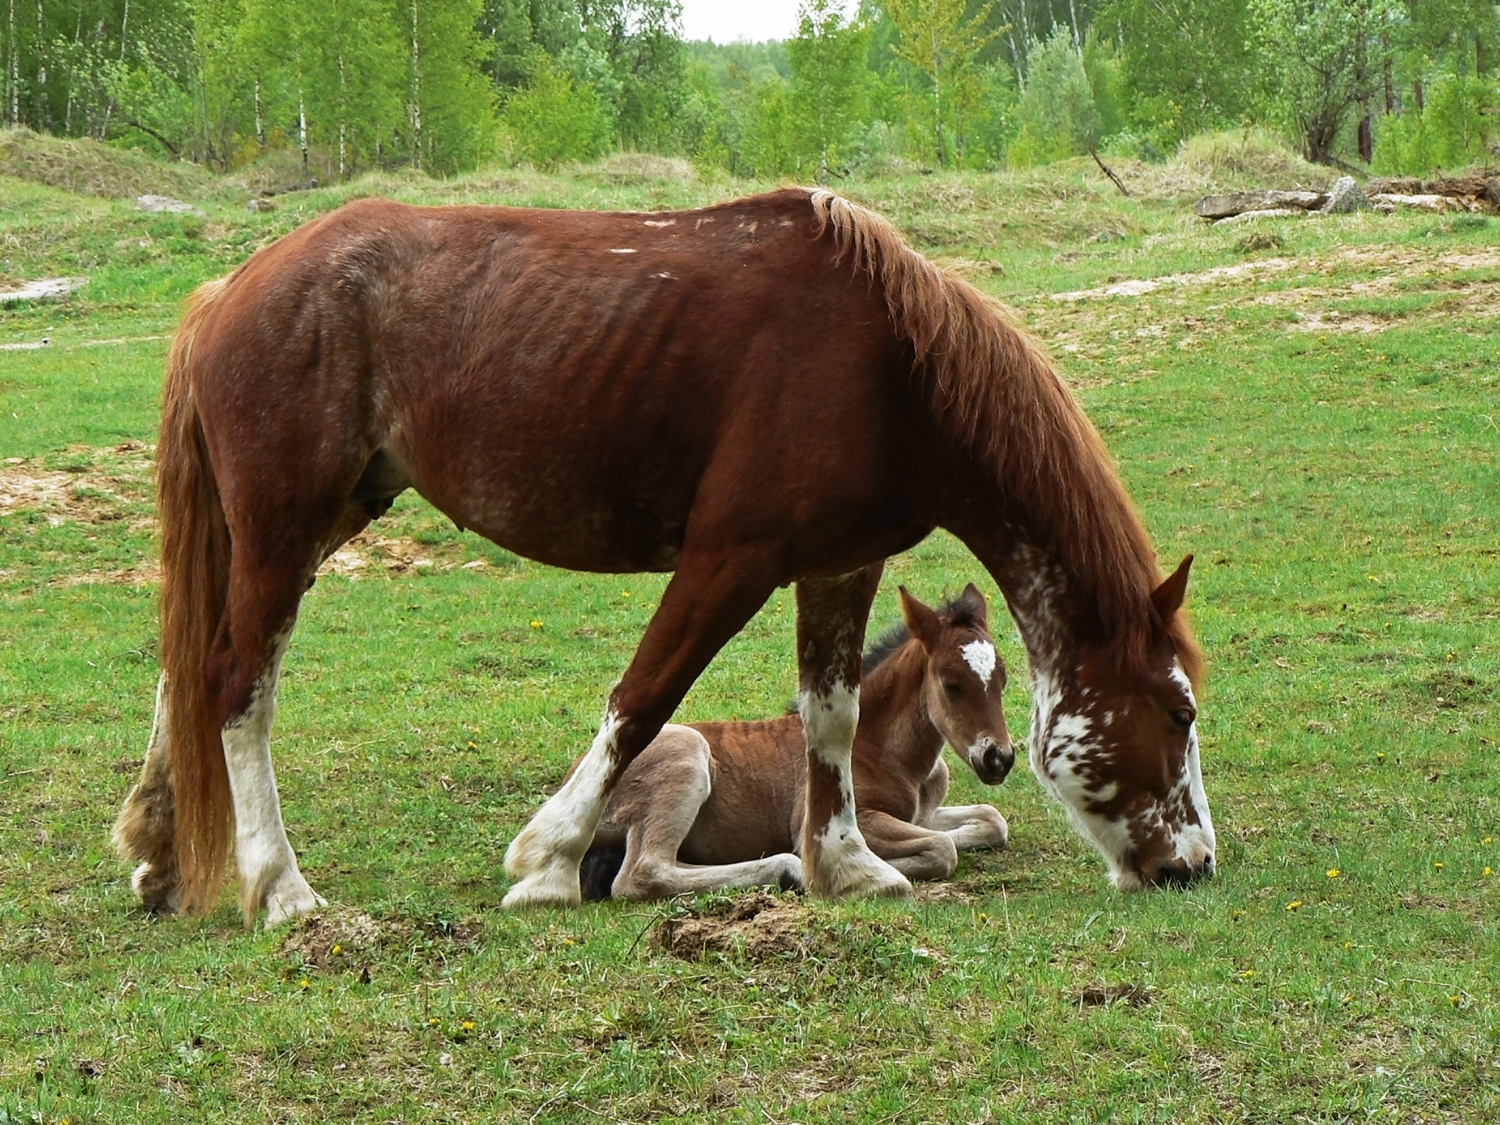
pixel 1339 488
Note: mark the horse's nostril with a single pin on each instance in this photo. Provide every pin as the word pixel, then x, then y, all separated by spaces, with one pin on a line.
pixel 1173 873
pixel 998 760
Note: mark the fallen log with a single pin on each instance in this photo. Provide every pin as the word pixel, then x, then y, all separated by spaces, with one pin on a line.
pixel 1235 203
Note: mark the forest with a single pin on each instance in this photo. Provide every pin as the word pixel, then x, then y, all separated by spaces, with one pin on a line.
pixel 895 85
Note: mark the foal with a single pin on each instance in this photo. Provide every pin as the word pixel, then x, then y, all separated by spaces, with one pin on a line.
pixel 716 805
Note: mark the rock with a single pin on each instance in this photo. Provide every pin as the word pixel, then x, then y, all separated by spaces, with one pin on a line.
pixel 1435 203
pixel 1263 213
pixel 1343 197
pixel 165 203
pixel 260 206
pixel 48 289
pixel 1235 203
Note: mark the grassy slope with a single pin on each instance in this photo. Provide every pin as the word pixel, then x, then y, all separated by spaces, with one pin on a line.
pixel 1340 492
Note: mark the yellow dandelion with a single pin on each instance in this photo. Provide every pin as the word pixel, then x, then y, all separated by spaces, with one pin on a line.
pixel 1348 945
pixel 336 950
pixel 468 1025
pixel 433 1021
pixel 1453 1000
pixel 1487 840
pixel 986 917
pixel 536 624
pixel 567 941
pixel 1248 973
pixel 473 745
pixel 1380 756
pixel 1486 872
pixel 1334 872
pixel 1295 904
pixel 305 985
pixel 1450 658
pixel 1438 866
pixel 624 593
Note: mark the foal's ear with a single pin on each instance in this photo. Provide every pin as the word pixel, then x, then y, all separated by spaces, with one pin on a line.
pixel 1167 598
pixel 972 600
pixel 920 619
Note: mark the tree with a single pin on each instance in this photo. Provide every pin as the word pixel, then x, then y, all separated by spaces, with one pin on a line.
pixel 1326 56
pixel 828 82
pixel 1056 116
pixel 944 47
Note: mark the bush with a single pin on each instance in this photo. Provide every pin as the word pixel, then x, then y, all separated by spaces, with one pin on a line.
pixel 552 120
pixel 1056 116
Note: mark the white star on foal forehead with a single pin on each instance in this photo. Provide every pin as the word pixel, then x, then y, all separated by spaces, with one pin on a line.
pixel 981 658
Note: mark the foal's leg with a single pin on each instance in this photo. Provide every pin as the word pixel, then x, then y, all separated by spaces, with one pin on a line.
pixel 707 601
pixel 657 804
pixel 831 615
pixel 146 829
pixel 918 853
pixel 970 826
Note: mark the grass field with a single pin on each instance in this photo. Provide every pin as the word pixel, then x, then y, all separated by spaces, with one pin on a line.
pixel 1311 407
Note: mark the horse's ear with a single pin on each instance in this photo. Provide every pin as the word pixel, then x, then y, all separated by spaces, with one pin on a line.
pixel 920 619
pixel 1167 598
pixel 974 603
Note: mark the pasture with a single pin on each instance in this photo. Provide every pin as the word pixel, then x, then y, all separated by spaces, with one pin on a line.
pixel 1312 407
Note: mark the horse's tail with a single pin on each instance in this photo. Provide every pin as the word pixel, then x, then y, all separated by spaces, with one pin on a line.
pixel 194 586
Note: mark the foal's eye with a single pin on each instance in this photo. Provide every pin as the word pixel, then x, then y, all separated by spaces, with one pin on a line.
pixel 1184 717
pixel 952 687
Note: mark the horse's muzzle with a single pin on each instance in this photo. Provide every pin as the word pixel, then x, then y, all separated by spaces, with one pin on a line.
pixel 1181 873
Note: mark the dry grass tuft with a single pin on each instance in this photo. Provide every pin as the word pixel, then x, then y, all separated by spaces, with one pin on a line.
pixel 89 168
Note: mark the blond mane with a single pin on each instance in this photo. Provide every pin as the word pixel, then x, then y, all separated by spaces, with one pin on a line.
pixel 993 385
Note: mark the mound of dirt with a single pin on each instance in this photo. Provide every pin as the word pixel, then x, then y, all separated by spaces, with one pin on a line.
pixel 754 926
pixel 1238 159
pixel 340 939
pixel 90 168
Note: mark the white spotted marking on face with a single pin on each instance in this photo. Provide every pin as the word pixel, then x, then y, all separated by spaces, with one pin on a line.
pixel 981 657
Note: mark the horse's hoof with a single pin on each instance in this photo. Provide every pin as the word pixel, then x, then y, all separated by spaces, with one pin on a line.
pixel 288 898
pixel 555 885
pixel 160 890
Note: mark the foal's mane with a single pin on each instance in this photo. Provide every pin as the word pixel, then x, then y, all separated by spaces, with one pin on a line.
pixel 955 611
pixel 992 385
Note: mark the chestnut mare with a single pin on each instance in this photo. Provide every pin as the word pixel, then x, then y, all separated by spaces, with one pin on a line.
pixel 767 391
pixel 714 805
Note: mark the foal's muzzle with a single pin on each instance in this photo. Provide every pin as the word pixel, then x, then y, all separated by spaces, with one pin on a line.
pixel 991 761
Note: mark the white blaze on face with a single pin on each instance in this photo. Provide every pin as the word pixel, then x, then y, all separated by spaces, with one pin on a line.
pixel 981 657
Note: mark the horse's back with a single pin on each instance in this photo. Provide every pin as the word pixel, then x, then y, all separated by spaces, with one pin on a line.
pixel 758 778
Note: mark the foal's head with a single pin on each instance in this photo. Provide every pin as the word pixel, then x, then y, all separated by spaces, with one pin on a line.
pixel 965 679
pixel 1120 751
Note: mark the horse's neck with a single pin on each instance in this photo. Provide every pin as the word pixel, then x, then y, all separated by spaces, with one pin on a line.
pixel 893 717
pixel 1037 591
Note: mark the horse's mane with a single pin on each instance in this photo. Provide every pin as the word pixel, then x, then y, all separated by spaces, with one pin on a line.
pixel 955 611
pixel 991 383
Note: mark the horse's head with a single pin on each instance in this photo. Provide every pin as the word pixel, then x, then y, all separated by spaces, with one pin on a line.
pixel 965 680
pixel 1121 754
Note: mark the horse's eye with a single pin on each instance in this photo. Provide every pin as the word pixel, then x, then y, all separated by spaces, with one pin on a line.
pixel 952 687
pixel 1184 717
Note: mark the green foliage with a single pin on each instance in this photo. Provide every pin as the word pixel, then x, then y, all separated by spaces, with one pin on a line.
pixel 1056 116
pixel 552 120
pixel 1455 127
pixel 827 58
pixel 1186 67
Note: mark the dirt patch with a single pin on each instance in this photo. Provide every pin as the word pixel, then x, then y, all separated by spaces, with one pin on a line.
pixel 1103 995
pixel 340 939
pixel 367 553
pixel 754 926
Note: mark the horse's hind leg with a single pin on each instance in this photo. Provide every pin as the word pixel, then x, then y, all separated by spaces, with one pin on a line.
pixel 658 802
pixel 918 853
pixel 831 616
pixel 970 826
pixel 146 829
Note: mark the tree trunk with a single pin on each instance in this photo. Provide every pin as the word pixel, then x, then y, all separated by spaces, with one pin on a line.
pixel 302 129
pixel 1416 91
pixel 1366 136
pixel 44 101
pixel 343 117
pixel 260 118
pixel 416 92
pixel 13 72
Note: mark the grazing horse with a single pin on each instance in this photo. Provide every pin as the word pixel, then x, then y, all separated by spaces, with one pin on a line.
pixel 768 391
pixel 715 805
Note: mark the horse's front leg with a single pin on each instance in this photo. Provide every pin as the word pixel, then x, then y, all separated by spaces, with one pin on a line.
pixel 916 852
pixel 831 616
pixel 707 601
